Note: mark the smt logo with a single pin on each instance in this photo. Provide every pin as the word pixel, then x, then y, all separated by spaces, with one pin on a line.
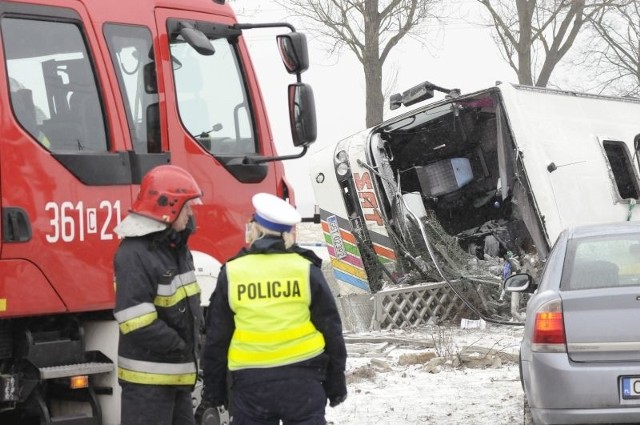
pixel 367 197
pixel 336 239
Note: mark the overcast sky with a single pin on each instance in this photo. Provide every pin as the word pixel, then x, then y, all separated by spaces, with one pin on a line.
pixel 462 56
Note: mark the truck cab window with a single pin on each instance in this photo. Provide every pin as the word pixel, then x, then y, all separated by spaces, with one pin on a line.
pixel 53 87
pixel 132 55
pixel 212 99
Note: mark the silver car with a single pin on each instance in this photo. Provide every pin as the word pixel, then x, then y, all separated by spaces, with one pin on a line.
pixel 580 354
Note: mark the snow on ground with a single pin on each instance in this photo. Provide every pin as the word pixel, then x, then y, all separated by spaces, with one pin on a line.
pixel 400 385
pixel 430 374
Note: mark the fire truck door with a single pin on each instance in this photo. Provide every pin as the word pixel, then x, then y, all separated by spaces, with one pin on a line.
pixel 214 117
pixel 65 174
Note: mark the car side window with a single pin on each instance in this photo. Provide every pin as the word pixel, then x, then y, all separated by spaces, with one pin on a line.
pixel 54 95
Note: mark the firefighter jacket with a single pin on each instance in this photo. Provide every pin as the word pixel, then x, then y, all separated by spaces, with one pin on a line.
pixel 157 309
pixel 272 316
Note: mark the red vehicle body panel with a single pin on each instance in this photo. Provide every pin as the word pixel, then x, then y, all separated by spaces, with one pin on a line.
pixel 66 266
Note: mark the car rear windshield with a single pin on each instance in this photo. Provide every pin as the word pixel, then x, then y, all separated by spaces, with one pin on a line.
pixel 602 262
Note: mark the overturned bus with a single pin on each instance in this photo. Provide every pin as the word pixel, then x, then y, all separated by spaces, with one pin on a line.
pixel 474 187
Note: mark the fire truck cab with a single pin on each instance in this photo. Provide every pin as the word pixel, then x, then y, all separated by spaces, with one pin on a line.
pixel 93 95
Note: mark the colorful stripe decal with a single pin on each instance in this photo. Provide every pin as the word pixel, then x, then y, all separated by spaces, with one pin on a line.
pixel 346 259
pixel 345 235
pixel 348 268
pixel 351 259
pixel 358 283
pixel 384 253
pixel 349 247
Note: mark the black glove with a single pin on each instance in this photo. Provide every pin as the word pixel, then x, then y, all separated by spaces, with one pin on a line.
pixel 334 401
pixel 208 413
pixel 335 387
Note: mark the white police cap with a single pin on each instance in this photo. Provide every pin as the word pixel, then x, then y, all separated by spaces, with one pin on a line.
pixel 274 213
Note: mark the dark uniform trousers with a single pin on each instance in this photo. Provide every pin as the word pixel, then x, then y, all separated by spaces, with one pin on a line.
pixel 298 401
pixel 156 405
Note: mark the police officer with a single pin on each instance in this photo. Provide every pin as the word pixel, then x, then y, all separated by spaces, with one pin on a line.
pixel 273 323
pixel 158 301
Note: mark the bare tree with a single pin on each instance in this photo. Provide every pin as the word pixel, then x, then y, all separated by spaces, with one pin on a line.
pixel 614 49
pixel 534 35
pixel 368 28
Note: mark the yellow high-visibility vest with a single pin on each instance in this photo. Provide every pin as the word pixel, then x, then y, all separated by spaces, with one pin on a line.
pixel 270 296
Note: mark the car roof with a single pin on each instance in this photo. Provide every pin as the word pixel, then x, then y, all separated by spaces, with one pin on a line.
pixel 589 230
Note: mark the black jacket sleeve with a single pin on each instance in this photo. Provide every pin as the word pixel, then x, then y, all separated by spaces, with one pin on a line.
pixel 325 317
pixel 220 328
pixel 135 285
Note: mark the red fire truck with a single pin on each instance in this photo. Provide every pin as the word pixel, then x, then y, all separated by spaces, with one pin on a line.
pixel 94 94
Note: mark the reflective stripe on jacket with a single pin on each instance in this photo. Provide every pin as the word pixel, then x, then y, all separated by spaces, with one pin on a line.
pixel 270 296
pixel 155 373
pixel 168 295
pixel 158 312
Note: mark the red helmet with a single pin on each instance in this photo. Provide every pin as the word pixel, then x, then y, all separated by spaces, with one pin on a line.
pixel 164 191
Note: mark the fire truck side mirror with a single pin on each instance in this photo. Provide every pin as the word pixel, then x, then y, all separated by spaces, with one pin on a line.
pixel 294 52
pixel 196 39
pixel 302 114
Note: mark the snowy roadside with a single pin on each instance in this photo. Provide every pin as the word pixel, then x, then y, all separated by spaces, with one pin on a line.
pixel 429 374
pixel 417 377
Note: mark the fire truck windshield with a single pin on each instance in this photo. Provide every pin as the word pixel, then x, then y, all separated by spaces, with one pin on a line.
pixel 212 99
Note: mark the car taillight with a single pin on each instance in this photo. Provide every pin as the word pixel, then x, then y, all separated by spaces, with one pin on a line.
pixel 548 330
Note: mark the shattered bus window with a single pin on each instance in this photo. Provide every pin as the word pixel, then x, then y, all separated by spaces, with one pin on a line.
pixel 622 169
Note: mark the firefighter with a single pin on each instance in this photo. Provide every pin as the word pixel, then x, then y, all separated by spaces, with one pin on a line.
pixel 158 301
pixel 273 324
